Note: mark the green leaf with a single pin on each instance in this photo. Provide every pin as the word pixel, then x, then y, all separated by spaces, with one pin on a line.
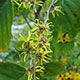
pixel 2 77
pixel 62 48
pixel 11 71
pixel 69 22
pixel 6 18
pixel 53 68
pixel 25 77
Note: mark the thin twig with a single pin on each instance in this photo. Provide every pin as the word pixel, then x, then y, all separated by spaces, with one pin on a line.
pixel 34 65
pixel 27 21
pixel 47 17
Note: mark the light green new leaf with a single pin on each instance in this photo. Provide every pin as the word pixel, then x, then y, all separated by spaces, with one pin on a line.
pixel 6 18
pixel 11 71
pixel 53 68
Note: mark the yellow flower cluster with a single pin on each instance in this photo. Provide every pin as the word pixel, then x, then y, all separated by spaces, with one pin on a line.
pixel 63 38
pixel 36 43
pixel 69 76
pixel 27 4
pixel 56 11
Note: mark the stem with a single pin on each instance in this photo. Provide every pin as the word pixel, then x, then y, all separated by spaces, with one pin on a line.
pixel 27 21
pixel 47 17
pixel 34 65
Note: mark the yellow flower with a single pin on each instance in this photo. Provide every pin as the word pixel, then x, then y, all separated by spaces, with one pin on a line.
pixel 68 75
pixel 64 59
pixel 74 66
pixel 60 77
